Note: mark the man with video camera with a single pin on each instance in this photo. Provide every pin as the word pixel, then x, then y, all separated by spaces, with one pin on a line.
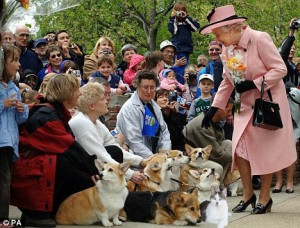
pixel 287 52
pixel 291 80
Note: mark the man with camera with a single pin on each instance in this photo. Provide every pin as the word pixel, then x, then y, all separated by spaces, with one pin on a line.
pixel 71 51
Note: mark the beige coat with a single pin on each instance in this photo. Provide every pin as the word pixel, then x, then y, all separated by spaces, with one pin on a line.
pixel 90 65
pixel 268 151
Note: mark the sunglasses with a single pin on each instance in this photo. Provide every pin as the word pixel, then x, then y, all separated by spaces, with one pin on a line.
pixel 54 56
pixel 214 49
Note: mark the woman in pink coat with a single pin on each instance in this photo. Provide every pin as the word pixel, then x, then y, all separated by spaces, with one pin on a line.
pixel 256 151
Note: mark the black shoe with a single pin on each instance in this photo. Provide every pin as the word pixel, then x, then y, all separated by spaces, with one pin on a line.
pixel 256 183
pixel 261 209
pixel 275 190
pixel 289 191
pixel 34 222
pixel 243 205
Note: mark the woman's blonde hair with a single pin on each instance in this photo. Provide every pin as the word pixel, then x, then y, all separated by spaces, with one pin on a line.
pixel 61 88
pixel 90 94
pixel 101 40
pixel 45 81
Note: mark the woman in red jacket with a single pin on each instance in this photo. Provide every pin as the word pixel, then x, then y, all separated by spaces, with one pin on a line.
pixel 52 164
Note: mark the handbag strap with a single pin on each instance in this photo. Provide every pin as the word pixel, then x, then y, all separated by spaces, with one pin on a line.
pixel 262 91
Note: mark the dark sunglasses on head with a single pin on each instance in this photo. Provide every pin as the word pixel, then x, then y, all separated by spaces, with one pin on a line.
pixel 216 49
pixel 54 56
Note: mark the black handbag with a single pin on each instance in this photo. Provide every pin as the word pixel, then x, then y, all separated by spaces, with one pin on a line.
pixel 266 113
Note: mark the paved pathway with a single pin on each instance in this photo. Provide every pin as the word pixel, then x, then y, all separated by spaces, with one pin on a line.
pixel 285 214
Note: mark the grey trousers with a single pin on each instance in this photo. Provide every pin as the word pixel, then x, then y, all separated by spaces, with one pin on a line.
pixel 6 159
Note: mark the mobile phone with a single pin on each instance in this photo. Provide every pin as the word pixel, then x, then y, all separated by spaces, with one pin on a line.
pixel 182 101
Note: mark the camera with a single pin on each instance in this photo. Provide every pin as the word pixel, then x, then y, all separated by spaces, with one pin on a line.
pixel 192 76
pixel 179 14
pixel 172 96
pixel 296 24
pixel 72 45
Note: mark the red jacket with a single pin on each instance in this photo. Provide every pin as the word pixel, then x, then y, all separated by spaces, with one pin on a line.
pixel 45 135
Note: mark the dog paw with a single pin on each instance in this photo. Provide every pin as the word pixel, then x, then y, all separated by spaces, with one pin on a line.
pixel 107 223
pixel 180 223
pixel 117 222
pixel 123 219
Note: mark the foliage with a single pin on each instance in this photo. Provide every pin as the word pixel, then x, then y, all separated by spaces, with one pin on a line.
pixel 144 22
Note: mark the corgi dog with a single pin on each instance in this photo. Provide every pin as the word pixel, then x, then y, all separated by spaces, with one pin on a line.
pixel 205 180
pixel 155 170
pixel 174 208
pixel 199 158
pixel 172 174
pixel 233 182
pixel 99 203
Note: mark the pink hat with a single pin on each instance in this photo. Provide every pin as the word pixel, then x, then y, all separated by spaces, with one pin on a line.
pixel 221 16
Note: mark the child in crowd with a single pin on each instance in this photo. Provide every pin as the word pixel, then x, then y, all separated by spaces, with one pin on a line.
pixel 105 70
pixel 28 97
pixel 12 113
pixel 206 83
pixel 137 62
pixel 169 82
pixel 181 26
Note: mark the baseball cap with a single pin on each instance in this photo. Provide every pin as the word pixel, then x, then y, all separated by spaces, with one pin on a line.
pixel 167 43
pixel 39 41
pixel 208 76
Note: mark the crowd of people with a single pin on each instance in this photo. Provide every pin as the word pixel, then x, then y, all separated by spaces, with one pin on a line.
pixel 53 99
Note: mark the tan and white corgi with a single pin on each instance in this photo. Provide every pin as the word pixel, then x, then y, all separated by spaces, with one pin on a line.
pixel 169 207
pixel 155 170
pixel 200 158
pixel 177 159
pixel 99 203
pixel 233 183
pixel 205 180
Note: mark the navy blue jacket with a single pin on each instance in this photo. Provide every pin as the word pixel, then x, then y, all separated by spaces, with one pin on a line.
pixel 114 81
pixel 30 60
pixel 182 33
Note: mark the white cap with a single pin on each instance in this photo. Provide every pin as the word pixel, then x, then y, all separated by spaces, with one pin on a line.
pixel 208 76
pixel 166 43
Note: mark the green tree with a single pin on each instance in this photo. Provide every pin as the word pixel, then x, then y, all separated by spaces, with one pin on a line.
pixel 144 22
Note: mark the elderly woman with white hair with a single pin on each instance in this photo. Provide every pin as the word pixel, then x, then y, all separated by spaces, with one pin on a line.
pixel 94 136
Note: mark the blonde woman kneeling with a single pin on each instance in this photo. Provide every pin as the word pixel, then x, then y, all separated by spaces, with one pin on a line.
pixel 94 136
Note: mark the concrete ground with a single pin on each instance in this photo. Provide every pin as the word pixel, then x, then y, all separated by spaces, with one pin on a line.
pixel 285 213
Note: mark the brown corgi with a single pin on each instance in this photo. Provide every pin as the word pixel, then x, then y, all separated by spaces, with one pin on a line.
pixel 170 207
pixel 99 203
pixel 155 170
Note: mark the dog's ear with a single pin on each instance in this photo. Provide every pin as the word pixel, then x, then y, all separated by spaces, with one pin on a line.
pixel 194 173
pixel 207 149
pixel 224 192
pixel 155 166
pixel 99 165
pixel 124 167
pixel 164 151
pixel 175 198
pixel 195 191
pixel 217 176
pixel 188 148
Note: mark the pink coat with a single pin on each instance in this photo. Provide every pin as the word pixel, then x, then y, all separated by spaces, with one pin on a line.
pixel 168 84
pixel 268 151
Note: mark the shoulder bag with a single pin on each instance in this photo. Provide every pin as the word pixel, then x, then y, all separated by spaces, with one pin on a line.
pixel 266 113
